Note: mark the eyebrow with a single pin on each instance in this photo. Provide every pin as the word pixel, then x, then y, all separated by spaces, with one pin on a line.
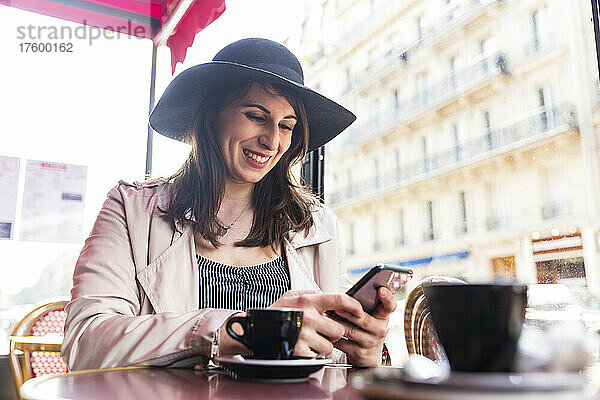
pixel 267 111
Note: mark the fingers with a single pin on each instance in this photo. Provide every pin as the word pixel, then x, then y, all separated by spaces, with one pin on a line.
pixel 328 328
pixel 318 343
pixel 388 304
pixel 360 356
pixel 302 349
pixel 317 337
pixel 338 301
pixel 366 338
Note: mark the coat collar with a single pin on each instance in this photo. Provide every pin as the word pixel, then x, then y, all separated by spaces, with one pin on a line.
pixel 317 233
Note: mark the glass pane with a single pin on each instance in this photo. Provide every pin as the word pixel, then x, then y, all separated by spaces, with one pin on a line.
pixel 85 106
pixel 485 136
pixel 59 109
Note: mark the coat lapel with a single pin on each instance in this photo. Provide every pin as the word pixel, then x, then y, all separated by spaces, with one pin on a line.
pixel 302 275
pixel 171 281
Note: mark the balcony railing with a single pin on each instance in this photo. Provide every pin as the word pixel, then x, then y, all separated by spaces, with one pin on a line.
pixel 402 52
pixel 399 241
pixel 437 93
pixel 556 209
pixel 451 19
pixel 497 221
pixel 543 123
pixel 463 227
pixel 430 235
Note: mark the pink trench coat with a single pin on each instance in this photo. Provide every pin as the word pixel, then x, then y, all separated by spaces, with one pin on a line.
pixel 135 296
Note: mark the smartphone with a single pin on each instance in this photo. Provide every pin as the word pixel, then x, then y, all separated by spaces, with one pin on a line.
pixel 365 290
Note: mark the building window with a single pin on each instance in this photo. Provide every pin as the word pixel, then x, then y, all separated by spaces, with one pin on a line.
pixel 425 147
pixel 400 234
pixel 498 201
pixel 423 88
pixel 487 126
pixel 569 271
pixel 378 181
pixel 459 141
pixel 539 30
pixel 504 269
pixel 557 194
pixel 377 237
pixel 453 73
pixel 376 113
pixel 428 158
pixel 430 232
pixel 487 62
pixel 348 77
pixel 419 28
pixel 349 184
pixel 543 100
pixel 351 249
pixel 463 226
pixel 398 165
pixel 396 99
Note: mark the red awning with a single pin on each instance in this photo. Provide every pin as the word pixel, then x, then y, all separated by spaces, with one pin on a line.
pixel 174 23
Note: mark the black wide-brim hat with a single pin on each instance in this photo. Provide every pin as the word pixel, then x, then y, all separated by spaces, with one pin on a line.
pixel 251 59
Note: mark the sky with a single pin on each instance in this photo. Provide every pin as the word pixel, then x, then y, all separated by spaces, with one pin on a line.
pixel 90 107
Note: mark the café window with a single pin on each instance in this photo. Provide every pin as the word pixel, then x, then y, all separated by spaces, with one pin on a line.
pixel 570 271
pixel 488 115
pixel 496 129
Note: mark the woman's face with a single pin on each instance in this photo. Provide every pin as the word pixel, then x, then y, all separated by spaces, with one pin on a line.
pixel 253 132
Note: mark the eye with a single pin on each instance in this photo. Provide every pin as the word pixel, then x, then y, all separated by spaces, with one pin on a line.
pixel 286 127
pixel 254 117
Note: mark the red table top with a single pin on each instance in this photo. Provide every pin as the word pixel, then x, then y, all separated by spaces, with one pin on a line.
pixel 179 384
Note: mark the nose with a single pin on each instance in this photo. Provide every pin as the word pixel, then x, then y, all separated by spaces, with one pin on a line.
pixel 270 137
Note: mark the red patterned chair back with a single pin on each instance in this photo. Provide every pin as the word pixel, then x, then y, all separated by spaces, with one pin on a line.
pixel 38 337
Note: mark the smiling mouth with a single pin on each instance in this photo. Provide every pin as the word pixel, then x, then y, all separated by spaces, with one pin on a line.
pixel 255 157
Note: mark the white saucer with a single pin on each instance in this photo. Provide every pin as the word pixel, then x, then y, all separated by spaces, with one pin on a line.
pixel 391 383
pixel 290 370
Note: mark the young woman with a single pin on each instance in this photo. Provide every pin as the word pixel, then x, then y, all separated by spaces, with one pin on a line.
pixel 169 261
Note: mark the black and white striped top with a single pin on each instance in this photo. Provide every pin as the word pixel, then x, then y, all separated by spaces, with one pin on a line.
pixel 241 288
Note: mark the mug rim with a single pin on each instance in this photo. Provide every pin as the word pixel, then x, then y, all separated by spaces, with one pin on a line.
pixel 275 309
pixel 478 285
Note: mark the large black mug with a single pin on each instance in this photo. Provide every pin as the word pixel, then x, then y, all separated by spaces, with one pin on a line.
pixel 270 333
pixel 478 325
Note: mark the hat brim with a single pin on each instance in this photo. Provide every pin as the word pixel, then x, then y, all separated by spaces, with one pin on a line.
pixel 174 112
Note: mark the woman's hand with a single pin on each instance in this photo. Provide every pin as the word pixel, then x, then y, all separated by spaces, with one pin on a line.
pixel 363 341
pixel 319 332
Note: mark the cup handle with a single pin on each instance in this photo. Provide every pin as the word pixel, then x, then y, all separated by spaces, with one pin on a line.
pixel 242 322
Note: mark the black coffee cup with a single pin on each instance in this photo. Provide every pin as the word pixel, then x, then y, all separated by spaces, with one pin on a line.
pixel 478 325
pixel 270 333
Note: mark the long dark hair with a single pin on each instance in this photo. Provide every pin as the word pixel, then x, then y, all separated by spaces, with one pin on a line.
pixel 280 203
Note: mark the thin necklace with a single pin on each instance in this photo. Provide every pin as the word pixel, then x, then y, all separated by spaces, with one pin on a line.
pixel 222 231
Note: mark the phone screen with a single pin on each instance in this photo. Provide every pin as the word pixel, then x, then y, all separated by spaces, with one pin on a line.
pixel 365 290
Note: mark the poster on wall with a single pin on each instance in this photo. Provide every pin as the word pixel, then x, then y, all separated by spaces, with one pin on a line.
pixel 53 202
pixel 9 184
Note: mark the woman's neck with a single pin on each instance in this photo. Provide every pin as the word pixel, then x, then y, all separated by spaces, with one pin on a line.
pixel 237 193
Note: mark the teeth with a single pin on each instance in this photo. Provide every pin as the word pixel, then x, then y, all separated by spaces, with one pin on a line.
pixel 256 157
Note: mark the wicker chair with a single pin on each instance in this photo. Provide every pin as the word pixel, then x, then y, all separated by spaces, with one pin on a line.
pixel 38 337
pixel 418 328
